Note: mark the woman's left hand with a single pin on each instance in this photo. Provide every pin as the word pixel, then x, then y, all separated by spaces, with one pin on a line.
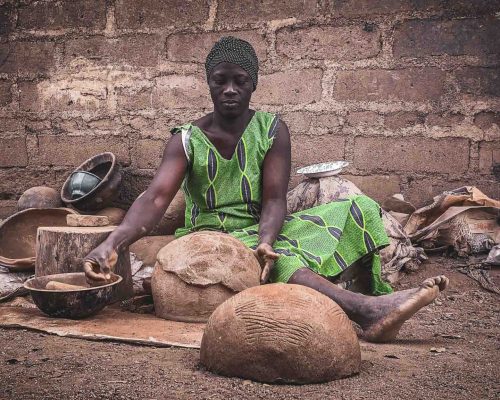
pixel 266 256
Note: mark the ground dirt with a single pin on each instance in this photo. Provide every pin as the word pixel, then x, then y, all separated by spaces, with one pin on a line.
pixel 464 321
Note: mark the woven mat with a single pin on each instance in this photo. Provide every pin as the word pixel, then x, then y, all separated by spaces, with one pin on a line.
pixel 108 325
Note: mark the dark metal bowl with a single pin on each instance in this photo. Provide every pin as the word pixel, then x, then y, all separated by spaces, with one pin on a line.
pixel 105 167
pixel 82 183
pixel 74 304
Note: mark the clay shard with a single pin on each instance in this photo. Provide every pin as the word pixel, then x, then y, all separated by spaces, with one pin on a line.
pixel 281 333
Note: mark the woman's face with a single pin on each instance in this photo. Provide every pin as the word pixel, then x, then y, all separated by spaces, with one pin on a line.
pixel 231 89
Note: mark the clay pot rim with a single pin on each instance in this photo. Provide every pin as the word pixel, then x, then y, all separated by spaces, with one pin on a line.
pixel 25 263
pixel 27 286
pixel 80 168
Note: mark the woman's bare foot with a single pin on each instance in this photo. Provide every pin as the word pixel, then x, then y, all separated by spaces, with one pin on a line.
pixel 383 316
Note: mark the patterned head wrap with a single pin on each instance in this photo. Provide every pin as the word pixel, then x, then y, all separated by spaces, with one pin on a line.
pixel 235 51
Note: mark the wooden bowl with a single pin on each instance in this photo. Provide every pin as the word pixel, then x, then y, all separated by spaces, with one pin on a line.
pixel 74 304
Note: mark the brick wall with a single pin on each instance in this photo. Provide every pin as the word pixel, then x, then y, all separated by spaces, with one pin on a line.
pixel 406 90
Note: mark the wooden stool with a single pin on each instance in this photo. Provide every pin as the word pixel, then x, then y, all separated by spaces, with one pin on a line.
pixel 61 249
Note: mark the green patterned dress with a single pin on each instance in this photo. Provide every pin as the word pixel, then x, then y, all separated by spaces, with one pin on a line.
pixel 225 195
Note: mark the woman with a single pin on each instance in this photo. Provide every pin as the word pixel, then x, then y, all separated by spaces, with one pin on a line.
pixel 234 165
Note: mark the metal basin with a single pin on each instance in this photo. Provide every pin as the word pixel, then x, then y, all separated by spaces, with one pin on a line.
pixel 74 304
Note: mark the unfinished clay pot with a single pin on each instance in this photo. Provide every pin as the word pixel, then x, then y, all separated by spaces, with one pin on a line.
pixel 39 197
pixel 196 273
pixel 105 167
pixel 18 235
pixel 281 333
pixel 173 217
pixel 146 248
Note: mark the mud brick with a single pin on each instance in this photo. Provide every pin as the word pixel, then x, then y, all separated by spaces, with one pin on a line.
pixel 489 155
pixel 65 94
pixel 444 119
pixel 419 38
pixel 369 118
pixel 133 14
pixel 63 14
pixel 134 98
pixel 352 8
pixel 6 18
pixel 148 153
pixel 194 47
pixel 231 12
pixel 5 93
pixel 412 84
pixel 36 58
pixel 335 43
pixel 14 181
pixel 136 50
pixel 298 122
pixel 73 150
pixel 290 87
pixel 400 120
pixel 420 192
pixel 180 91
pixel 10 124
pixel 479 81
pixel 412 154
pixel 378 187
pixel 487 119
pixel 13 152
pixel 307 150
pixel 7 208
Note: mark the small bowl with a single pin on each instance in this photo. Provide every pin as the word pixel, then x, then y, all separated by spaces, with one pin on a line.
pixel 323 169
pixel 74 304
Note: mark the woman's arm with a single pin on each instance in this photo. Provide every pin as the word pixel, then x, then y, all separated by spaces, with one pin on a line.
pixel 276 174
pixel 144 213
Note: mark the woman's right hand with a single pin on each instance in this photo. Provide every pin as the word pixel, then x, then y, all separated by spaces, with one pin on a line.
pixel 100 262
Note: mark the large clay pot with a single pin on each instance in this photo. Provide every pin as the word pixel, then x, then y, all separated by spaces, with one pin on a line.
pixel 39 197
pixel 107 169
pixel 18 235
pixel 196 273
pixel 281 333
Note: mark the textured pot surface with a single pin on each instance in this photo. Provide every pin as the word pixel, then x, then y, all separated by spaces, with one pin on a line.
pixel 196 273
pixel 281 333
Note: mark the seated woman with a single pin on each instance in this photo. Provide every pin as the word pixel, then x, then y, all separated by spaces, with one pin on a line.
pixel 234 167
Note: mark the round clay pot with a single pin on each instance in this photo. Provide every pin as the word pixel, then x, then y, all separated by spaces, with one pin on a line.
pixel 173 217
pixel 196 273
pixel 39 197
pixel 107 169
pixel 114 214
pixel 281 333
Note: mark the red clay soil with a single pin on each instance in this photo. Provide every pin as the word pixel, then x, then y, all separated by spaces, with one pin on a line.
pixel 464 322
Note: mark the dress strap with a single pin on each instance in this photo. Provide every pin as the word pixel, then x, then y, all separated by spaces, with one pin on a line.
pixel 273 131
pixel 185 131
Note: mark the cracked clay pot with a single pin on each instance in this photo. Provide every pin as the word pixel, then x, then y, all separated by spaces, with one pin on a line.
pixel 193 275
